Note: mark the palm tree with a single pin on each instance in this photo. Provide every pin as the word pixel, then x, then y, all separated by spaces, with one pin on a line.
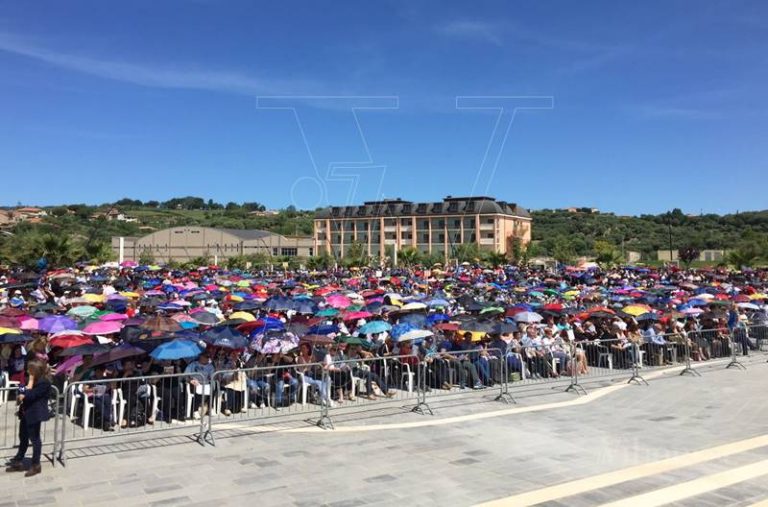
pixel 408 256
pixel 496 259
pixel 745 255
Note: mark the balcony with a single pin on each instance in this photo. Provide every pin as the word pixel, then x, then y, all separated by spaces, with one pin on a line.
pixel 487 227
pixel 487 241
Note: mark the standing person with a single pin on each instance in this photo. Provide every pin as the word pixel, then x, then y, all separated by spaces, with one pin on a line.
pixel 33 410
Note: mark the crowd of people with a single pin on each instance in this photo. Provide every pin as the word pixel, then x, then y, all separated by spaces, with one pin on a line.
pixel 266 340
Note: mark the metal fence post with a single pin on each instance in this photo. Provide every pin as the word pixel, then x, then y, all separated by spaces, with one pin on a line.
pixel 56 414
pixel 688 370
pixel 422 407
pixel 504 394
pixel 734 356
pixel 636 377
pixel 574 385
pixel 325 422
pixel 64 418
pixel 206 433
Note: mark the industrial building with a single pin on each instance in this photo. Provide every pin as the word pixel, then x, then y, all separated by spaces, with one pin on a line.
pixel 185 243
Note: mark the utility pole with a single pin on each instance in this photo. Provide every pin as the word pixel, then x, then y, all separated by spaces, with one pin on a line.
pixel 669 226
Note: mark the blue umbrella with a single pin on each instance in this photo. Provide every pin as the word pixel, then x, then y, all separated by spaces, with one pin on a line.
pixel 401 329
pixel 219 333
pixel 418 320
pixel 434 318
pixel 323 329
pixel 375 326
pixel 434 303
pixel 238 342
pixel 176 349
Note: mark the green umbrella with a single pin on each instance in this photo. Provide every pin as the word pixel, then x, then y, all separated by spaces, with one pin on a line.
pixel 353 340
pixel 83 311
pixel 327 312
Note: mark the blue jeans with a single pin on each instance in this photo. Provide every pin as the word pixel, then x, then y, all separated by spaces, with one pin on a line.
pixel 294 386
pixel 258 389
pixel 321 386
pixel 483 370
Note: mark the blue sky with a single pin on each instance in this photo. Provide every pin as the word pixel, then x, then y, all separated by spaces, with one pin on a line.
pixel 628 107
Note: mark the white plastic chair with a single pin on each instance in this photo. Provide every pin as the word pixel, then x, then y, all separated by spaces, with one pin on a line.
pixel 407 374
pixel 7 385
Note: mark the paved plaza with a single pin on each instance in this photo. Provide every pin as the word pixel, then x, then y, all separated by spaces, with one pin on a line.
pixel 688 441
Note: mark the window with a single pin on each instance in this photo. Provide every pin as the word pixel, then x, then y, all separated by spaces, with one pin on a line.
pixel 421 208
pixel 289 252
pixel 311 251
pixel 274 251
pixel 453 207
pixel 456 223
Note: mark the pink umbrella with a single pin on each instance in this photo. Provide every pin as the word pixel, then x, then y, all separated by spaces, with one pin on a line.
pixel 69 364
pixel 129 264
pixel 103 327
pixel 30 324
pixel 356 315
pixel 109 317
pixel 338 301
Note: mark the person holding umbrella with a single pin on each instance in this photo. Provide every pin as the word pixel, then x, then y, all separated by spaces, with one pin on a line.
pixel 33 410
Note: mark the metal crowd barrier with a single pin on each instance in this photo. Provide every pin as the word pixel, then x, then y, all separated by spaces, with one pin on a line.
pixel 112 407
pixel 95 409
pixel 9 421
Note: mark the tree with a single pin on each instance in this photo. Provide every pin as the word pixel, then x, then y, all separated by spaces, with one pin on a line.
pixel 98 251
pixel 408 256
pixel 562 250
pixel 320 262
pixel 467 252
pixel 496 259
pixel 745 255
pixel 146 258
pixel 356 255
pixel 606 254
pixel 688 254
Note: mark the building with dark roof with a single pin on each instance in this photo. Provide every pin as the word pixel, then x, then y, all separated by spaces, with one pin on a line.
pixel 433 227
pixel 185 243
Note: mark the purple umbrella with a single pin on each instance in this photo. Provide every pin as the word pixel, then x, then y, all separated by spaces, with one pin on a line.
pixel 56 323
pixel 117 354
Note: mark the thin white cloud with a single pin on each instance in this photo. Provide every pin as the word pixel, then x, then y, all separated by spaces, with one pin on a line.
pixel 473 30
pixel 651 111
pixel 153 76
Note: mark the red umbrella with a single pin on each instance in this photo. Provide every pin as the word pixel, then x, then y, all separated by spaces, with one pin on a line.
pixel 66 341
pixel 9 322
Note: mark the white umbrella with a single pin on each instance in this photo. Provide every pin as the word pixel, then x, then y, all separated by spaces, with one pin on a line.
pixel 528 317
pixel 748 306
pixel 414 334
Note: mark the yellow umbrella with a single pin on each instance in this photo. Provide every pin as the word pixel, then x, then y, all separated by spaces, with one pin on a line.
pixel 132 295
pixel 9 330
pixel 636 310
pixel 243 316
pixel 236 299
pixel 758 296
pixel 243 283
pixel 93 298
pixel 476 335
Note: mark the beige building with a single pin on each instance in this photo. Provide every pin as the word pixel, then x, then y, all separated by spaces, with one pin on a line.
pixel 434 227
pixel 185 243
